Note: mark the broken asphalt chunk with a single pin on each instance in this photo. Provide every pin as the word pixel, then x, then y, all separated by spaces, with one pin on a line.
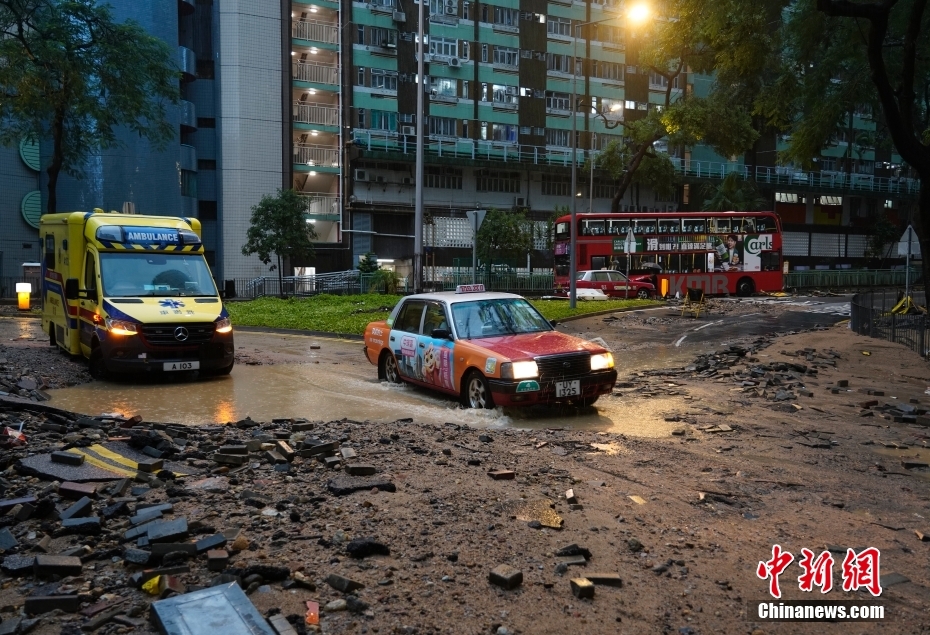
pixel 167 531
pixel 37 604
pixel 18 565
pixel 89 526
pixel 7 541
pixel 210 542
pixel 361 469
pixel 340 583
pixel 344 485
pixel 364 547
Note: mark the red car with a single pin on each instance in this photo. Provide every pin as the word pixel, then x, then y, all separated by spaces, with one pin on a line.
pixel 614 284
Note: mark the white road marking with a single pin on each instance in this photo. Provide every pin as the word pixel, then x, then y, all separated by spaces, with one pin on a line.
pixel 708 324
pixel 750 314
pixel 678 343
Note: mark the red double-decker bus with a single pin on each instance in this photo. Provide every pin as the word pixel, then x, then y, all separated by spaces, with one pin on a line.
pixel 720 252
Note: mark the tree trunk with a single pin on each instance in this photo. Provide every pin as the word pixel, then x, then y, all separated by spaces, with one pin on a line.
pixel 280 277
pixel 54 166
pixel 922 227
pixel 627 178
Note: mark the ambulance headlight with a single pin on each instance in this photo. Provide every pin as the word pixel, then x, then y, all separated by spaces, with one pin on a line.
pixel 121 327
pixel 223 325
pixel 519 370
pixel 602 361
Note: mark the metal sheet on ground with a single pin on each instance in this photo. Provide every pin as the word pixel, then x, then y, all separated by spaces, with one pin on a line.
pixel 220 609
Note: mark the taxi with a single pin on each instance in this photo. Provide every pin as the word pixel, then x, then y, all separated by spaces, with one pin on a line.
pixel 488 349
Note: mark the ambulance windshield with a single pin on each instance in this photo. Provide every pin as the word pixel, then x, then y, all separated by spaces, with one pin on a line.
pixel 141 274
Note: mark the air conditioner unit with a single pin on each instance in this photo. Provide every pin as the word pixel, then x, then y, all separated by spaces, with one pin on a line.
pixel 455 62
pixel 379 179
pixel 452 7
pixel 519 201
pixel 408 130
pixel 408 180
pixel 361 175
pixel 400 16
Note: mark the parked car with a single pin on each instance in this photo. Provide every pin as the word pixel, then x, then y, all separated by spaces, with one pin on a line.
pixel 614 284
pixel 488 349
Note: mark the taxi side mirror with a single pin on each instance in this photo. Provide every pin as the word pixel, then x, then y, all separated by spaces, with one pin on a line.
pixel 441 334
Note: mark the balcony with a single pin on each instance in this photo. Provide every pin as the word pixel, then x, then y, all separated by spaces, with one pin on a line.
pixel 316 156
pixel 319 114
pixel 188 116
pixel 322 206
pixel 187 61
pixel 316 73
pixel 315 31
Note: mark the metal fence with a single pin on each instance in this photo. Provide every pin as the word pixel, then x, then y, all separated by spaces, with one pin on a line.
pixel 870 314
pixel 8 287
pixel 849 278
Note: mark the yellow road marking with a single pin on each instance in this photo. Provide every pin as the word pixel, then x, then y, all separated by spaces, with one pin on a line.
pixel 113 456
pixel 102 465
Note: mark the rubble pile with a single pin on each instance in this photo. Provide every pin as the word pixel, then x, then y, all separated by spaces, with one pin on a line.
pixel 27 373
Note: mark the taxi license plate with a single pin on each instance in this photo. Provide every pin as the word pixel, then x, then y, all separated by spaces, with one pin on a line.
pixel 567 388
pixel 182 365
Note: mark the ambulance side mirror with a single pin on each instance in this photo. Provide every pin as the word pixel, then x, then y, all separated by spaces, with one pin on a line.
pixel 71 289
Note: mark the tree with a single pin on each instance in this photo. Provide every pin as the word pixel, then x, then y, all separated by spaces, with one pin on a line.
pixel 368 263
pixel 677 44
pixel 278 227
pixel 733 194
pixel 504 235
pixel 70 74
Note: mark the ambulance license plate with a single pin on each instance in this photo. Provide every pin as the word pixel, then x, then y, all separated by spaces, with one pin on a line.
pixel 182 366
pixel 567 389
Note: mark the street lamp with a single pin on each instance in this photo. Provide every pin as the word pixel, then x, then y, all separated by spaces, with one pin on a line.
pixel 638 13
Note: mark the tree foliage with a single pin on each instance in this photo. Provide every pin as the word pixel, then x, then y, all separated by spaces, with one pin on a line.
pixel 278 227
pixel 368 263
pixel 504 234
pixel 71 74
pixel 734 194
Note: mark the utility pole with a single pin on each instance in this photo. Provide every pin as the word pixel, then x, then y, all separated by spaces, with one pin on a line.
pixel 418 200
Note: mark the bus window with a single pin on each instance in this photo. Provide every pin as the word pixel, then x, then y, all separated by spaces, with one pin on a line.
pixel 598 262
pixel 749 225
pixel 770 261
pixel 618 227
pixel 720 226
pixel 592 227
pixel 694 225
pixel 644 226
pixel 669 225
pixel 561 231
pixel 765 224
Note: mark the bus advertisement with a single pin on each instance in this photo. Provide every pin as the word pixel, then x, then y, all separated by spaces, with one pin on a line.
pixel 722 253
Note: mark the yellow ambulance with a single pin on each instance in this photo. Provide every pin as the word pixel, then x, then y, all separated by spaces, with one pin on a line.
pixel 132 294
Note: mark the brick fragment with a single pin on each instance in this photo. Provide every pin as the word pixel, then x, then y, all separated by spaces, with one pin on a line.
pixel 37 604
pixel 502 475
pixel 79 509
pixel 505 577
pixel 361 469
pixel 68 458
pixel 217 559
pixel 582 588
pixel 76 491
pixel 47 565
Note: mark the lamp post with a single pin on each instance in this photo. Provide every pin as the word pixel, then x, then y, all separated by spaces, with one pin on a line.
pixel 418 195
pixel 637 13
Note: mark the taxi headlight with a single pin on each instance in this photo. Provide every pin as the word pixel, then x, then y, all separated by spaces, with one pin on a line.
pixel 223 325
pixel 121 327
pixel 602 361
pixel 519 370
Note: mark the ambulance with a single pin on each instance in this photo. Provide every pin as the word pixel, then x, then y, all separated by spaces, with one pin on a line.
pixel 132 294
pixel 488 349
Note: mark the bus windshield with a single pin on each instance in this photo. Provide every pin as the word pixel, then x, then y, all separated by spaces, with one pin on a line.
pixel 133 275
pixel 496 317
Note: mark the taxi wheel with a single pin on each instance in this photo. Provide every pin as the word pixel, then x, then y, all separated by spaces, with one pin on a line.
pixel 642 294
pixel 477 392
pixel 389 368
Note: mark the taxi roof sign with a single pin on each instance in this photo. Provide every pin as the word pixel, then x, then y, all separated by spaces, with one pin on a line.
pixel 470 288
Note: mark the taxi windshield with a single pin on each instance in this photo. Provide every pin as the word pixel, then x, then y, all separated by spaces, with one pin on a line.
pixel 496 317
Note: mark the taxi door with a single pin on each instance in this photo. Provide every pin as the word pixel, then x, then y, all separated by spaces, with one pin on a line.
pixel 435 354
pixel 603 282
pixel 404 336
pixel 621 285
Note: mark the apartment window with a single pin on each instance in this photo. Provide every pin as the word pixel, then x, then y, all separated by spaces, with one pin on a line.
pixel 437 7
pixel 443 86
pixel 466 10
pixel 361 34
pixel 465 128
pixel 505 133
pixel 614 106
pixel 608 70
pixel 559 26
pixel 466 54
pixel 465 93
pixel 206 210
pixel 484 130
pixel 384 80
pixel 603 140
pixel 361 118
pixel 558 101
pixel 484 13
pixel 384 120
pixel 385 4
pixel 205 69
pixel 484 92
pixel 558 138
pixel 206 122
pixel 504 94
pixel 445 47
pixel 484 52
pixel 206 164
pixel 558 63
pixel 498 181
pixel 443 178
pixel 361 76
pixel 507 17
pixel 506 56
pixel 539 132
pixel 442 126
pixel 660 81
pixel 609 34
pixel 189 183
pixel 556 186
pixel 384 38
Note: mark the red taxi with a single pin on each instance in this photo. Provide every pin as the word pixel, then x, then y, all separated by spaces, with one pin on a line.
pixel 487 348
pixel 615 284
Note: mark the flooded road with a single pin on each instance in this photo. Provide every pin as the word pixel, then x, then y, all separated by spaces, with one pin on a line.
pixel 326 379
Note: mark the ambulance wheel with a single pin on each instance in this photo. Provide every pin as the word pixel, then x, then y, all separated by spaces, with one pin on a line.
pixel 744 287
pixel 98 367
pixel 477 393
pixel 642 294
pixel 389 370
pixel 219 372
